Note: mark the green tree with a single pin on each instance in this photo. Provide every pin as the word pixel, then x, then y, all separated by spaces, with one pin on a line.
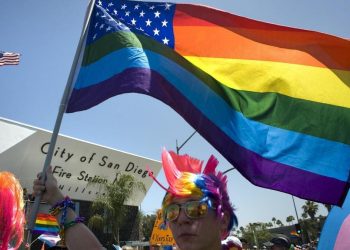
pixel 279 223
pixel 310 208
pixel 269 224
pixel 108 210
pixel 274 221
pixel 256 233
pixel 290 219
pixel 238 233
pixel 304 215
pixel 242 229
pixel 147 225
pixel 329 207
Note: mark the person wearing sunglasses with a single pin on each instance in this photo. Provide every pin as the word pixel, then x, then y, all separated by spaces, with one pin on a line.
pixel 196 205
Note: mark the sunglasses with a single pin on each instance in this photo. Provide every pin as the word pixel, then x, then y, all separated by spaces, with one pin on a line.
pixel 193 210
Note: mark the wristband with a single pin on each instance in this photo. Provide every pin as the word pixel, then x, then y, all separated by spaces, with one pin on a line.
pixel 73 222
pixel 63 206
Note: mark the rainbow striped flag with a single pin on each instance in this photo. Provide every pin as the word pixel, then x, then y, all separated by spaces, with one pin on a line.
pixel 273 100
pixel 46 224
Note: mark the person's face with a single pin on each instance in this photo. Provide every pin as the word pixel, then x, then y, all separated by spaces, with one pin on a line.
pixel 197 234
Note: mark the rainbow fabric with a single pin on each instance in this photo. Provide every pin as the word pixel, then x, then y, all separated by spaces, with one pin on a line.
pixel 46 224
pixel 273 100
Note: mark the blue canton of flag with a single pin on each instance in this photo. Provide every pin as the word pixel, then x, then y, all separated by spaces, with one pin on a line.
pixel 151 19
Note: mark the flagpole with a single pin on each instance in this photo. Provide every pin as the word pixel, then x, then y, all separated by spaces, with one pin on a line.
pixel 183 144
pixel 61 111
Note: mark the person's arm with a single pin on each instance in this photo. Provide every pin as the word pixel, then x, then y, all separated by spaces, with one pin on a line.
pixel 77 236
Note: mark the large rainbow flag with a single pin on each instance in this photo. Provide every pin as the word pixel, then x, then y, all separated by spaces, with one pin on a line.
pixel 273 100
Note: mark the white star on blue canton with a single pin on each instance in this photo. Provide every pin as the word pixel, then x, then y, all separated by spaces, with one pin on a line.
pixel 156 14
pixel 167 6
pixel 165 40
pixel 164 23
pixel 156 32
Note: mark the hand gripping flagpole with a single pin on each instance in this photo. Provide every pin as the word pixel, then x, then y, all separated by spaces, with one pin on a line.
pixel 61 111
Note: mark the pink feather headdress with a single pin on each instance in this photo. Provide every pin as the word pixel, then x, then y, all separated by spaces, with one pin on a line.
pixel 185 178
pixel 11 211
pixel 177 167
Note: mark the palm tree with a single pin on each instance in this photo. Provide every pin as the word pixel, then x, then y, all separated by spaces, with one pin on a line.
pixel 310 208
pixel 108 209
pixel 242 229
pixel 269 224
pixel 147 225
pixel 304 215
pixel 279 223
pixel 274 221
pixel 328 206
pixel 290 219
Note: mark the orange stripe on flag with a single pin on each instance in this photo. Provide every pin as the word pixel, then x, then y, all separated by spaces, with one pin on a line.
pixel 46 217
pixel 241 38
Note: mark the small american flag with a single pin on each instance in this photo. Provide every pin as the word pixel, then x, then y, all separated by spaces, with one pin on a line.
pixel 8 58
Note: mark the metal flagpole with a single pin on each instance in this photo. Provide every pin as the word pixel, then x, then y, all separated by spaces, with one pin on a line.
pixel 296 213
pixel 178 148
pixel 61 111
pixel 183 144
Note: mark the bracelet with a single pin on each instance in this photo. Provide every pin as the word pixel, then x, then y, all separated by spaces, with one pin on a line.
pixel 73 222
pixel 63 206
pixel 65 226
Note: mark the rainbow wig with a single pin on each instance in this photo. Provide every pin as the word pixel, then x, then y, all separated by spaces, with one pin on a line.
pixel 11 211
pixel 186 179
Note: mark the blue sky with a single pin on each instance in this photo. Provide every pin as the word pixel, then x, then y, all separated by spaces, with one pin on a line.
pixel 46 33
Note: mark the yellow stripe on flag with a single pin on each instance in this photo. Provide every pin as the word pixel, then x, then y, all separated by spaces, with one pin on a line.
pixel 304 82
pixel 46 222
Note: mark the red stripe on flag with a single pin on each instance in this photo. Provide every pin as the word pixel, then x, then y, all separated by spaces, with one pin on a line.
pixel 9 58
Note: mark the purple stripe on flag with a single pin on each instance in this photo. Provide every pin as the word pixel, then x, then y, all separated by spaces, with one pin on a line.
pixel 262 172
pixel 45 232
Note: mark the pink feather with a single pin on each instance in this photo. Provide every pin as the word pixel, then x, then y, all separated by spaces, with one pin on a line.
pixel 186 163
pixel 211 165
pixel 170 169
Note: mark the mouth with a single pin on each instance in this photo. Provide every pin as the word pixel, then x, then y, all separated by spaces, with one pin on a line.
pixel 187 235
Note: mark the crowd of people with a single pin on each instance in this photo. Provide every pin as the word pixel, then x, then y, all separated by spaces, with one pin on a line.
pixel 196 207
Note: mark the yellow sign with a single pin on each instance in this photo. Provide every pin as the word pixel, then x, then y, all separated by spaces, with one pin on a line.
pixel 161 235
